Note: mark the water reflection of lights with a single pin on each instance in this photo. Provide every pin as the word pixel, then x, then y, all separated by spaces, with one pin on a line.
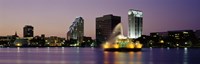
pixel 63 49
pixel 150 48
pixel 48 49
pixel 20 61
pixel 18 56
pixel 131 57
pixel 151 55
pixel 139 56
pixel 185 59
pixel 92 48
pixel 106 57
pixel 177 48
pixel 131 53
pixel 168 48
pixel 37 49
pixel 122 57
pixel 117 57
pixel 8 49
pixel 185 50
pixel 18 49
pixel 77 50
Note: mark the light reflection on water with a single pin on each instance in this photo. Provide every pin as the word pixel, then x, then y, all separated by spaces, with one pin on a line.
pixel 185 56
pixel 122 57
pixel 76 55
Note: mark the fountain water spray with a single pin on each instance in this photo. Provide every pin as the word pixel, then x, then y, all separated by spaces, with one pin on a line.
pixel 117 41
pixel 116 33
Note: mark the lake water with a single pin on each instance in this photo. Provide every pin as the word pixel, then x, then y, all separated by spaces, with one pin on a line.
pixel 65 55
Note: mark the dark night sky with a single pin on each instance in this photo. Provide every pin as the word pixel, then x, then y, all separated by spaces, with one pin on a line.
pixel 53 17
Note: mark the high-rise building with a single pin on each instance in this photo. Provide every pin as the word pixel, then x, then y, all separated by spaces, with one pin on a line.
pixel 76 30
pixel 28 31
pixel 197 33
pixel 135 18
pixel 105 26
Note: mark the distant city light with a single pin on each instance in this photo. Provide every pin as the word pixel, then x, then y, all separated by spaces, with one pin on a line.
pixel 18 44
pixel 161 41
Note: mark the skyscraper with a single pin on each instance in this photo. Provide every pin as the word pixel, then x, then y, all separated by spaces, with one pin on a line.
pixel 76 30
pixel 135 18
pixel 104 27
pixel 28 31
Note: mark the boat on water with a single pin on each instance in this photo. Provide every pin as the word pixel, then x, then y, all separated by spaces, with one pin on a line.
pixel 123 45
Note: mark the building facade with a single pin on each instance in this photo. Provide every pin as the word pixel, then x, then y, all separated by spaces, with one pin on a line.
pixel 54 41
pixel 176 38
pixel 182 37
pixel 105 26
pixel 28 31
pixel 76 30
pixel 135 18
pixel 7 40
pixel 197 33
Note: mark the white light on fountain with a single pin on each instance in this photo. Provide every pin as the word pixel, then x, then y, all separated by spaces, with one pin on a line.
pixel 121 37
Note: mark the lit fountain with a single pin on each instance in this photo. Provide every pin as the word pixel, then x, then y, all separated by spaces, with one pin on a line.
pixel 118 42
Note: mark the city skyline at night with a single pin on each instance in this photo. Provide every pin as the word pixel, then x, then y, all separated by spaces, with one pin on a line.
pixel 52 18
pixel 99 31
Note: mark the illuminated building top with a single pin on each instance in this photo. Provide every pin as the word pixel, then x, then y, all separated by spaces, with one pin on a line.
pixel 136 13
pixel 135 18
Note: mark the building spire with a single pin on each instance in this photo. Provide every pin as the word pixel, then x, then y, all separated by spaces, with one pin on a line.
pixel 16 34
